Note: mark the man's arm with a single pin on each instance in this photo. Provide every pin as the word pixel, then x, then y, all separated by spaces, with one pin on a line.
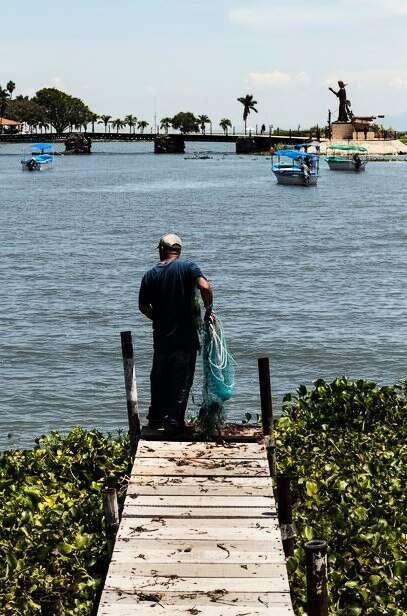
pixel 147 310
pixel 206 292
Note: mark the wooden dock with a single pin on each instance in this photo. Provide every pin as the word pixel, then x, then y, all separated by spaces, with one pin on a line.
pixel 198 535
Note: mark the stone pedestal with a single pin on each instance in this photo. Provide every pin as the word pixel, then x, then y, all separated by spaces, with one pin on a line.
pixel 342 130
pixel 358 136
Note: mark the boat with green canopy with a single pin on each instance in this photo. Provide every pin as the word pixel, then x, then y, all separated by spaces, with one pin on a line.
pixel 346 157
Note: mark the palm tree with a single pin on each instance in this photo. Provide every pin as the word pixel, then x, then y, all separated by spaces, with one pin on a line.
pixel 4 95
pixel 93 118
pixel 105 120
pixel 203 119
pixel 118 123
pixel 248 106
pixel 165 124
pixel 11 86
pixel 142 124
pixel 131 122
pixel 225 124
pixel 43 126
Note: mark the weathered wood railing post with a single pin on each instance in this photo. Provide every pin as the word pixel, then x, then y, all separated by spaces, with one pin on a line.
pixel 267 413
pixel 317 581
pixel 131 390
pixel 51 605
pixel 112 520
pixel 285 513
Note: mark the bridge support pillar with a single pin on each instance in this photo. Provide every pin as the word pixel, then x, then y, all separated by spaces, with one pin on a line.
pixel 169 144
pixel 250 144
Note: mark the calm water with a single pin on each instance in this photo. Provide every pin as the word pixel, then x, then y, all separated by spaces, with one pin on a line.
pixel 315 278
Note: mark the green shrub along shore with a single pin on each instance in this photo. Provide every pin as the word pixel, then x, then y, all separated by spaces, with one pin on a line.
pixel 52 534
pixel 343 444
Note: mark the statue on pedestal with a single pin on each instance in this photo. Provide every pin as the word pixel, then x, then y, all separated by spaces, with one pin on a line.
pixel 345 113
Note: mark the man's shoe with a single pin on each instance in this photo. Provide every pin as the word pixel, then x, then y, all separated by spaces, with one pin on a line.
pixel 179 430
pixel 155 424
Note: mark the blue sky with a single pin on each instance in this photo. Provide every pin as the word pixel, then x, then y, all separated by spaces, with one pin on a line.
pixel 154 58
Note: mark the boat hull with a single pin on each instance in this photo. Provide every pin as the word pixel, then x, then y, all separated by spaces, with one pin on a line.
pixel 295 179
pixel 346 165
pixel 38 163
pixel 36 167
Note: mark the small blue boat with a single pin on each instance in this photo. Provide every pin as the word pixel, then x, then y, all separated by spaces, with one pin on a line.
pixel 295 167
pixel 39 156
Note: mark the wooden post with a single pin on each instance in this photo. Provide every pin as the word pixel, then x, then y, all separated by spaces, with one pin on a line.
pixel 285 513
pixel 267 413
pixel 111 517
pixel 317 584
pixel 51 605
pixel 131 390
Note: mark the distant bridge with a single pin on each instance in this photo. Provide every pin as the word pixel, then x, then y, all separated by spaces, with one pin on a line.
pixel 171 142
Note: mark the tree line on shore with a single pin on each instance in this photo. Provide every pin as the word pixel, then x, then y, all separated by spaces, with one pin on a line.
pixel 51 108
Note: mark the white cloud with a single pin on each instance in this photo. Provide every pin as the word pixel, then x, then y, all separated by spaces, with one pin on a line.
pixel 268 16
pixel 56 82
pixel 374 78
pixel 399 82
pixel 276 79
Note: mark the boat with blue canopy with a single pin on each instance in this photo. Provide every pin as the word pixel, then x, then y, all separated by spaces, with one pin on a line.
pixel 38 156
pixel 295 167
pixel 346 157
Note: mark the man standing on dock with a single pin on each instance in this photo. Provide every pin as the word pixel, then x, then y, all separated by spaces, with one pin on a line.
pixel 166 296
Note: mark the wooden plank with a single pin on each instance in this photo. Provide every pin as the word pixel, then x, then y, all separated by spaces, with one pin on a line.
pixel 146 609
pixel 147 584
pixel 201 467
pixel 198 570
pixel 186 529
pixel 195 489
pixel 198 512
pixel 234 604
pixel 234 433
pixel 196 450
pixel 238 486
pixel 198 550
pixel 221 597
pixel 205 500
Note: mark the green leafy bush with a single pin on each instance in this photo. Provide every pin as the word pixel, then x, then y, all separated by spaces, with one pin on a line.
pixel 52 534
pixel 344 446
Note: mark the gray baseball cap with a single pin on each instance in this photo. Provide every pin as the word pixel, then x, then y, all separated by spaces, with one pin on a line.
pixel 170 240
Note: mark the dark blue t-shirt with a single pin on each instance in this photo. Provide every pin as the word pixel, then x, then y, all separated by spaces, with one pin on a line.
pixel 170 290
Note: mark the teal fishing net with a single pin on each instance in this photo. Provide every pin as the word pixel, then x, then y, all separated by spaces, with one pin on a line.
pixel 218 377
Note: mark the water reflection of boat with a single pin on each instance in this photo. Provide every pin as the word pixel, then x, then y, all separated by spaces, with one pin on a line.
pixel 346 157
pixel 294 167
pixel 37 157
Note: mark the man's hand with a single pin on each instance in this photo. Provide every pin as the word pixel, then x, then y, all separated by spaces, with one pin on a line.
pixel 209 315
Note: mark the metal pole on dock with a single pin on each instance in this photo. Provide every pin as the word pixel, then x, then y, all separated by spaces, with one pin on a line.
pixel 112 520
pixel 131 390
pixel 51 605
pixel 267 412
pixel 317 581
pixel 285 513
